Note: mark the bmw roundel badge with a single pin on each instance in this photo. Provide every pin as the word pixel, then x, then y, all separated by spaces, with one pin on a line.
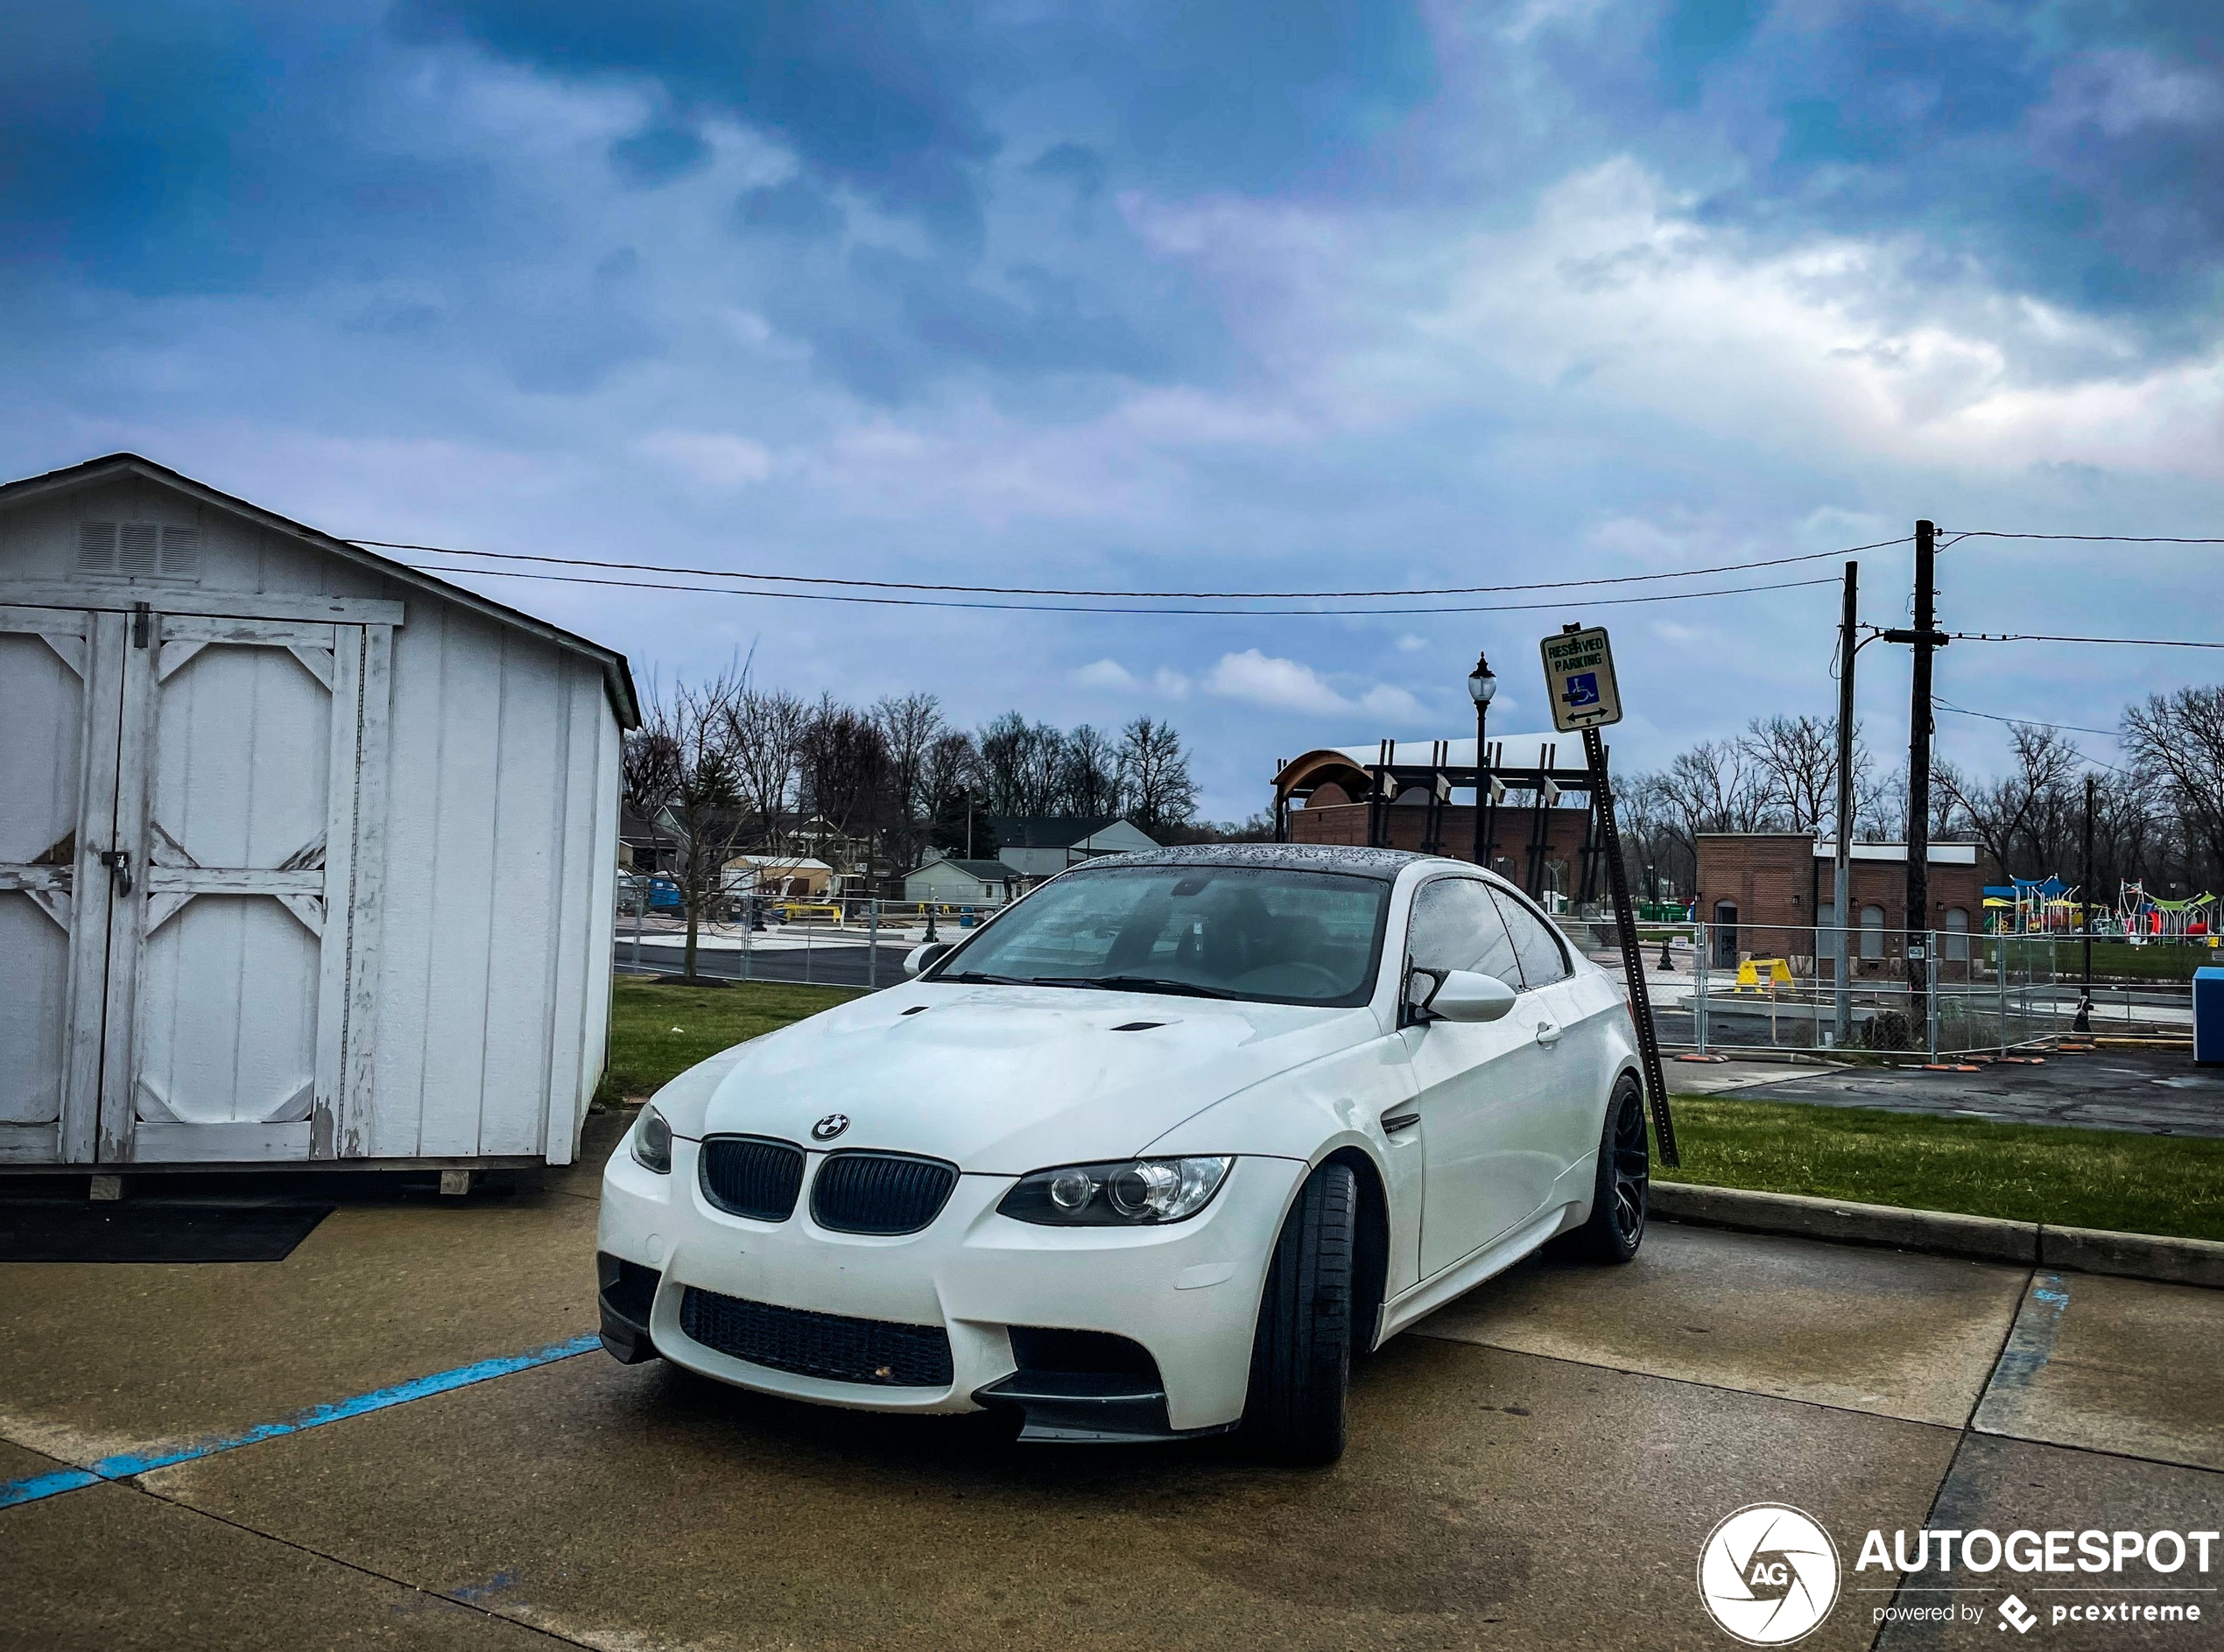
pixel 828 1128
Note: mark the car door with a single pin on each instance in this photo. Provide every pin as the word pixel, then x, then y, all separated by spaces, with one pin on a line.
pixel 1473 1082
pixel 1561 1011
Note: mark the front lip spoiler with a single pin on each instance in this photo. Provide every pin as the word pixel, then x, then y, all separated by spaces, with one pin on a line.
pixel 1086 1409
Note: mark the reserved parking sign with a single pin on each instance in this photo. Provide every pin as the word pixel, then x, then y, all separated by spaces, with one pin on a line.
pixel 1578 677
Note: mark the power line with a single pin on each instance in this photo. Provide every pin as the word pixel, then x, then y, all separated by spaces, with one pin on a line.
pixel 2028 722
pixel 1024 590
pixel 1049 608
pixel 2122 642
pixel 2088 539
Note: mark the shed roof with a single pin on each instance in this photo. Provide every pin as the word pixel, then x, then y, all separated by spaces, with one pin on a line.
pixel 618 676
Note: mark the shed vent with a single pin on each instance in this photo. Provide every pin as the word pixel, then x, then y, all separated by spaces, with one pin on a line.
pixel 139 549
pixel 96 547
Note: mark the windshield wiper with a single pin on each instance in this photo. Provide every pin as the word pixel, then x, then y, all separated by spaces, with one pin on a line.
pixel 983 978
pixel 1137 984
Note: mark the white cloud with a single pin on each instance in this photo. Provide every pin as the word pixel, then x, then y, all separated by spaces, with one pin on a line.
pixel 711 457
pixel 1288 685
pixel 1111 675
pixel 1410 644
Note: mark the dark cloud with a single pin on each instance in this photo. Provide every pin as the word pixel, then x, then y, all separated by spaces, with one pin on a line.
pixel 660 152
pixel 797 208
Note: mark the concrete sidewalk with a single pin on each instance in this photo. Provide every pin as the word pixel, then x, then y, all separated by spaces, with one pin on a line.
pixel 1538 1465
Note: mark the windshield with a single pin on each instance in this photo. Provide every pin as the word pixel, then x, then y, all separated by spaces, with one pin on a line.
pixel 1214 932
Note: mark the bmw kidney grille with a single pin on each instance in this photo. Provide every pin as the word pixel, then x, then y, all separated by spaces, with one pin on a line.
pixel 752 1176
pixel 880 1192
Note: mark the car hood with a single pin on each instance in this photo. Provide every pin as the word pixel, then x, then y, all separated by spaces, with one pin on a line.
pixel 1008 1079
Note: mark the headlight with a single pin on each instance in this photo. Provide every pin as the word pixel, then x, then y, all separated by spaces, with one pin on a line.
pixel 1129 1193
pixel 652 1142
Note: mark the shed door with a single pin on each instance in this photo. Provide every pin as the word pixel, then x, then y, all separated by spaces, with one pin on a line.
pixel 58 693
pixel 227 972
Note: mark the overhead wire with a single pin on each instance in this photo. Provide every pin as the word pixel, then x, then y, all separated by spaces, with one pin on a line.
pixel 1050 607
pixel 1027 590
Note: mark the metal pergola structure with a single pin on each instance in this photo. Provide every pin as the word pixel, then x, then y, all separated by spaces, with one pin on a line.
pixel 1535 764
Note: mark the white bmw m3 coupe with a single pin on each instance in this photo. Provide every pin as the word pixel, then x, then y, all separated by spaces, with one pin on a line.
pixel 1154 1154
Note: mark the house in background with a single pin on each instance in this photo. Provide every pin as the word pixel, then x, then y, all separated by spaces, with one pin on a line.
pixel 942 881
pixel 1040 845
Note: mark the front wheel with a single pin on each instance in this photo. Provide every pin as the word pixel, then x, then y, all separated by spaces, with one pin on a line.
pixel 1618 1197
pixel 1301 1355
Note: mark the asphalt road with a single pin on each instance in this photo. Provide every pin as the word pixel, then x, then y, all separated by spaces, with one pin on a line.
pixel 1539 1464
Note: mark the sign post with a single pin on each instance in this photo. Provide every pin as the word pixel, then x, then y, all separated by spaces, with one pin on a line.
pixel 1578 680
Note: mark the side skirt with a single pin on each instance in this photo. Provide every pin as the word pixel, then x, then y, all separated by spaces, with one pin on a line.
pixel 1463 1277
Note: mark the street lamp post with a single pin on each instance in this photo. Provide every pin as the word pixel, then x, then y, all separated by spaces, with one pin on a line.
pixel 1481 686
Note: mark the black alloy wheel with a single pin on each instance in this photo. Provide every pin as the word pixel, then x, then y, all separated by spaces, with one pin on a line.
pixel 1619 1197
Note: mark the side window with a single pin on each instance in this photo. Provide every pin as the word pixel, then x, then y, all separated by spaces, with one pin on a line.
pixel 1456 926
pixel 1543 959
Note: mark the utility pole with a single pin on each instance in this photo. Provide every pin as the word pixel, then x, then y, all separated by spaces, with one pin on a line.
pixel 1925 637
pixel 2084 1022
pixel 1841 879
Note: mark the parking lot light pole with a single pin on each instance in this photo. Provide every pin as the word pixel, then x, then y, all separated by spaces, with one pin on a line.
pixel 1481 686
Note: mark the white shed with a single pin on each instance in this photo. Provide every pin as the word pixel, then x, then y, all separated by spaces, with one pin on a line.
pixel 304 855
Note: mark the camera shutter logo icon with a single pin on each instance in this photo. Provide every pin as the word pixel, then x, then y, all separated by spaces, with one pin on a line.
pixel 1768 1574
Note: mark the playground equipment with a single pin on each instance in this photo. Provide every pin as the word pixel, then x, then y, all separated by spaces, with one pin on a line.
pixel 2032 906
pixel 2145 918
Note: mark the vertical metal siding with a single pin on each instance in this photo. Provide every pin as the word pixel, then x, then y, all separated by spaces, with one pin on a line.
pixel 496 853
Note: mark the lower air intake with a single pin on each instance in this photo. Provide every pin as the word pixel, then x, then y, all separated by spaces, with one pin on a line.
pixel 831 1346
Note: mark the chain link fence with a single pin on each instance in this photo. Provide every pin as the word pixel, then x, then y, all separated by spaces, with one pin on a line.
pixel 836 941
pixel 1717 989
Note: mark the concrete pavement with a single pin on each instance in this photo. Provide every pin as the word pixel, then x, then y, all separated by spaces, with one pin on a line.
pixel 1538 1465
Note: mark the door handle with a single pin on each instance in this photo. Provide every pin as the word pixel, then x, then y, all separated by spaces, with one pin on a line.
pixel 118 862
pixel 1548 1032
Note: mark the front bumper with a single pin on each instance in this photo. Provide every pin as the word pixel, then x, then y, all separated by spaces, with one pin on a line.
pixel 1188 1292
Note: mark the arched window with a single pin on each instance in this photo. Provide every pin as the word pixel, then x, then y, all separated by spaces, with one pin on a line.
pixel 1957 934
pixel 1872 932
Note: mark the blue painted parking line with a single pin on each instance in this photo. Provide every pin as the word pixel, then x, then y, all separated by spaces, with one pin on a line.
pixel 124 1464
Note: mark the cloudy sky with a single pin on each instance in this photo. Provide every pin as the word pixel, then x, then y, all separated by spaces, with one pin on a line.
pixel 1319 294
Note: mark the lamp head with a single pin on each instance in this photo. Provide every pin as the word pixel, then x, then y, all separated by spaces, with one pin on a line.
pixel 1480 683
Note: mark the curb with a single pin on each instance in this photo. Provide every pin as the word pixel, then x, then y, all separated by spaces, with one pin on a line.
pixel 2178 1261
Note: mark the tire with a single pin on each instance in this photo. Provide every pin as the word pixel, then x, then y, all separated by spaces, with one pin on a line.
pixel 1301 1355
pixel 1619 1195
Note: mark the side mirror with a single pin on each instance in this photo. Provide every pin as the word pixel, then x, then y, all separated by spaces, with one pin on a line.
pixel 1465 995
pixel 919 957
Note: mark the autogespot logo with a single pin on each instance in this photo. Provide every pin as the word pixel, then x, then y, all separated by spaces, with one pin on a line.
pixel 1768 1574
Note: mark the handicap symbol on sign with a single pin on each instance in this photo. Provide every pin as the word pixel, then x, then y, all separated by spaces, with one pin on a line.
pixel 1582 689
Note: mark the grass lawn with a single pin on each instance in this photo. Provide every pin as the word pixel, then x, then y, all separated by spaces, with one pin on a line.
pixel 658 1032
pixel 2112 959
pixel 2025 1173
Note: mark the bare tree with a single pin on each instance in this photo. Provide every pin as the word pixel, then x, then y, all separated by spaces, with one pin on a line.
pixel 2007 814
pixel 952 783
pixel 766 729
pixel 2180 738
pixel 1799 758
pixel 911 726
pixel 679 770
pixel 844 765
pixel 1022 765
pixel 1090 774
pixel 1155 778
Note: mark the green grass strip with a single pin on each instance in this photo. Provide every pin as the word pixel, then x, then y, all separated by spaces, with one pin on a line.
pixel 2113 1179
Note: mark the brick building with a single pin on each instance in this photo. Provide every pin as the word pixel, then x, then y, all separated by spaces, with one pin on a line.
pixel 1764 894
pixel 1397 795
